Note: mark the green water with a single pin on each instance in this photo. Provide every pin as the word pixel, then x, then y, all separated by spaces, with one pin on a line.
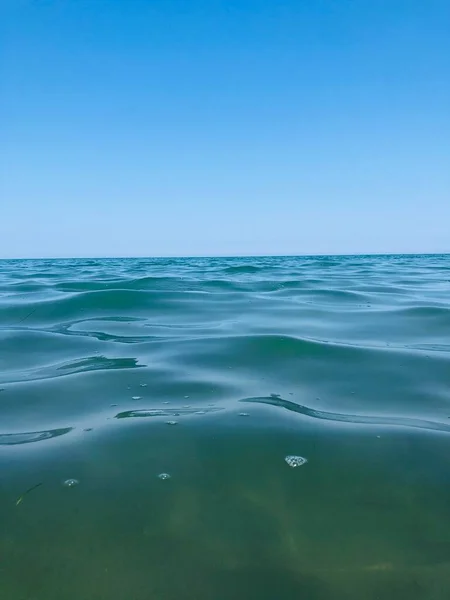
pixel 113 372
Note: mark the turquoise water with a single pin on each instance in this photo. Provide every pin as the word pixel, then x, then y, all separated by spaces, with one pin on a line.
pixel 213 371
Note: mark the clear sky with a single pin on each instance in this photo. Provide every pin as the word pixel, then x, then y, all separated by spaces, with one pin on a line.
pixel 186 127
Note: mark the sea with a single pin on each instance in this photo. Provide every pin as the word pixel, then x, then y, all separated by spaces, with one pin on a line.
pixel 268 428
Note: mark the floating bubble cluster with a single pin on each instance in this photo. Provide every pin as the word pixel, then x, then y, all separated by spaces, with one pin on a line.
pixel 295 461
pixel 71 482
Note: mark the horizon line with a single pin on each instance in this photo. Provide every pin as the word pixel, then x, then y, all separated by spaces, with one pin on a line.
pixel 188 256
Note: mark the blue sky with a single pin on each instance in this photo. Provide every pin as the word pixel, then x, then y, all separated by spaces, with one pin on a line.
pixel 205 127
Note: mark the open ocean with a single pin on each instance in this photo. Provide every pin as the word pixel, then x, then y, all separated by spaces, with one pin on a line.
pixel 148 406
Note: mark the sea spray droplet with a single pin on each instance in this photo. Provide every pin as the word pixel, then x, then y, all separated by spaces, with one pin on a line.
pixel 164 476
pixel 295 461
pixel 71 482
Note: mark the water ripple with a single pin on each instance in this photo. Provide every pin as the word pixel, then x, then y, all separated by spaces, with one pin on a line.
pixel 165 412
pixel 77 336
pixel 13 439
pixel 73 367
pixel 277 401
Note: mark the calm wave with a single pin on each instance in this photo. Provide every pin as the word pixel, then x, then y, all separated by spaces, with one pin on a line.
pixel 342 360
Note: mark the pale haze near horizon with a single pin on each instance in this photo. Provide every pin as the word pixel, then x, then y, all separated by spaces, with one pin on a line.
pixel 170 128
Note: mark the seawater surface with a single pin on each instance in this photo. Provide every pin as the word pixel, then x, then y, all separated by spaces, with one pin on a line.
pixel 244 429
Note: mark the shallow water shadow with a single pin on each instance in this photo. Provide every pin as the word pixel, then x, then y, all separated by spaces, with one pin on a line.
pixel 265 583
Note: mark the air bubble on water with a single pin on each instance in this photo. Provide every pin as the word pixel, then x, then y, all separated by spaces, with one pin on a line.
pixel 164 476
pixel 171 422
pixel 295 461
pixel 71 482
pixel 136 398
